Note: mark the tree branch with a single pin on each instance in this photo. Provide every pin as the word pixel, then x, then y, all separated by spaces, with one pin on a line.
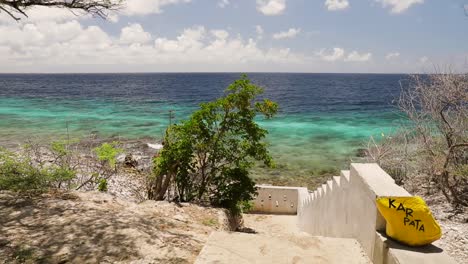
pixel 95 7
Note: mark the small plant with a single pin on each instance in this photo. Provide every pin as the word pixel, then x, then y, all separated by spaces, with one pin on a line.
pixel 102 186
pixel 213 222
pixel 24 255
pixel 58 174
pixel 107 153
pixel 103 167
pixel 59 148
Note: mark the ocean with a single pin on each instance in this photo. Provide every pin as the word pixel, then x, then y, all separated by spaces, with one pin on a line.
pixel 324 119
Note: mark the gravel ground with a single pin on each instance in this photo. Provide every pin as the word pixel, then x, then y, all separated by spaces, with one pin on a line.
pixel 454 227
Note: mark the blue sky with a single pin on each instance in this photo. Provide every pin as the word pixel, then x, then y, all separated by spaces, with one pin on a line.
pixel 388 36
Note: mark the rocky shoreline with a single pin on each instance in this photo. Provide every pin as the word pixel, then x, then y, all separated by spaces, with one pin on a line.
pixel 134 163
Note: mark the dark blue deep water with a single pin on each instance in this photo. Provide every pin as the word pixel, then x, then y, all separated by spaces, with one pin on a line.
pixel 323 120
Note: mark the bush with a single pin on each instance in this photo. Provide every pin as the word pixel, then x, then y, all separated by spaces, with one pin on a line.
pixel 107 153
pixel 18 174
pixel 30 170
pixel 102 186
pixel 22 174
pixel 102 167
pixel 208 156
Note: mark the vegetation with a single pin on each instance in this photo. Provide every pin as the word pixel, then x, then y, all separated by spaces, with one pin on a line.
pixel 39 168
pixel 208 156
pixel 107 154
pixel 102 185
pixel 433 147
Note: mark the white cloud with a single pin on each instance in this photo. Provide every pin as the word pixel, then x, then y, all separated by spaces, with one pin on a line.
pixel 146 7
pixel 334 5
pixel 223 3
pixel 423 60
pixel 190 39
pixel 392 55
pixel 336 54
pixel 70 45
pixel 220 34
pixel 134 33
pixel 356 57
pixel 291 33
pixel 339 54
pixel 259 30
pixel 271 7
pixel 399 6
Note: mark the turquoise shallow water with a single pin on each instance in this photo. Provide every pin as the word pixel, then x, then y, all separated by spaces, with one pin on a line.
pixel 324 119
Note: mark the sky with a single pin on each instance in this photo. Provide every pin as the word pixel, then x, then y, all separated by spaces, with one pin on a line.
pixel 352 36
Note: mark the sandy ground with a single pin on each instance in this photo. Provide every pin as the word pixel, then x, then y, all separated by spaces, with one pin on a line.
pixel 92 227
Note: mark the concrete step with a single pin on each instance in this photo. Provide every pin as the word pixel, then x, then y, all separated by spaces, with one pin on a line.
pixel 243 248
pixel 277 240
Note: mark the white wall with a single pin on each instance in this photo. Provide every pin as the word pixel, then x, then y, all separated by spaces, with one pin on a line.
pixel 345 207
pixel 277 199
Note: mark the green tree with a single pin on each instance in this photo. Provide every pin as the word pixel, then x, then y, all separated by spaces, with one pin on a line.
pixel 208 156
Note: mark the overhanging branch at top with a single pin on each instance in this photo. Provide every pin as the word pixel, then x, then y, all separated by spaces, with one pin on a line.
pixel 18 8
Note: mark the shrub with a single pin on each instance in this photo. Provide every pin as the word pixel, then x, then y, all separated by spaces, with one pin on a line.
pixel 208 156
pixel 107 153
pixel 18 174
pixel 22 174
pixel 106 166
pixel 32 170
pixel 102 186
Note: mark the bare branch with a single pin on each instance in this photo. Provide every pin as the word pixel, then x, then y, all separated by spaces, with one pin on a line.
pixel 100 8
pixel 10 13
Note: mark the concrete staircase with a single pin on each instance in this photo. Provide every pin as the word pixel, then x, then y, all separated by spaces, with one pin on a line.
pixel 336 223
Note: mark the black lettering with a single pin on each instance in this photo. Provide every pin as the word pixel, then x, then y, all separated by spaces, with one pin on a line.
pixel 401 207
pixel 405 220
pixel 417 223
pixel 421 228
pixel 412 223
pixel 409 212
pixel 390 203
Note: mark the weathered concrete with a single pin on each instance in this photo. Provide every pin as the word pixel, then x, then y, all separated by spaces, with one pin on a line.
pixel 391 252
pixel 277 199
pixel 345 207
pixel 241 248
pixel 278 241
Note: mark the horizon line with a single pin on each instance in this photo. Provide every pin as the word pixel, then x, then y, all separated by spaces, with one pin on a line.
pixel 214 72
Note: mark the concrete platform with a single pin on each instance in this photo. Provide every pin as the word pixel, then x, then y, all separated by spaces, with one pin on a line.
pixel 277 240
pixel 243 248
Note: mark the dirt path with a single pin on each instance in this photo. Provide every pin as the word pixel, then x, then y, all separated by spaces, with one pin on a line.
pixel 93 227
